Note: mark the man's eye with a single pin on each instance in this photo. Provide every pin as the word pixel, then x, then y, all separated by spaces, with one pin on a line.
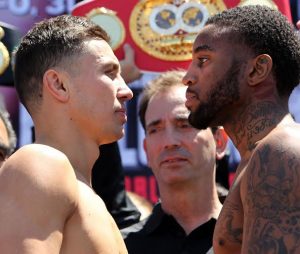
pixel 111 73
pixel 151 131
pixel 201 61
pixel 185 125
pixel 154 129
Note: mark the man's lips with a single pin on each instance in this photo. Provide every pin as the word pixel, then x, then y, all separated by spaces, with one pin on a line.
pixel 171 160
pixel 122 113
pixel 121 110
pixel 191 100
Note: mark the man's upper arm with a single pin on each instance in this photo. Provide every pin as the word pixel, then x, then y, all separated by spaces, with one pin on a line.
pixel 36 199
pixel 271 199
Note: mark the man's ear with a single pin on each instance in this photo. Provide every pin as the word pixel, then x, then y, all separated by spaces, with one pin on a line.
pixel 53 82
pixel 145 145
pixel 260 68
pixel 145 149
pixel 221 139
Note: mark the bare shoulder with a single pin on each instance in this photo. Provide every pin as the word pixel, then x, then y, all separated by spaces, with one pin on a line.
pixel 38 192
pixel 43 166
pixel 270 194
pixel 286 135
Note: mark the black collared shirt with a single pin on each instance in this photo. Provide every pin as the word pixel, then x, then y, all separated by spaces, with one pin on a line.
pixel 160 233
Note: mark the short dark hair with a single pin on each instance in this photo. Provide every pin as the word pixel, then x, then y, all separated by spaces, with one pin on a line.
pixel 159 84
pixel 50 43
pixel 265 31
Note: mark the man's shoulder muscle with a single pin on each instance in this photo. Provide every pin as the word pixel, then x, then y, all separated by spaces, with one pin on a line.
pixel 270 196
pixel 43 167
pixel 37 193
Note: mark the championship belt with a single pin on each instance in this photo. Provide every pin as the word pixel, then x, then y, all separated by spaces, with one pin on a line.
pixel 166 29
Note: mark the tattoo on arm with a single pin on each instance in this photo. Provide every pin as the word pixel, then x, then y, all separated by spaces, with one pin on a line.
pixel 273 201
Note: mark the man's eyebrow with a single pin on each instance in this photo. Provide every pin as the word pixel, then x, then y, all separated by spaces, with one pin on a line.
pixel 153 123
pixel 203 48
pixel 111 64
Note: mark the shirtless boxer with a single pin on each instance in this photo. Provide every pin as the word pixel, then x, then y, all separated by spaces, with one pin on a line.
pixel 246 62
pixel 68 78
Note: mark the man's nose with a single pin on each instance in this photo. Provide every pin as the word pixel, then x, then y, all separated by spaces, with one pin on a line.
pixel 125 92
pixel 188 79
pixel 171 139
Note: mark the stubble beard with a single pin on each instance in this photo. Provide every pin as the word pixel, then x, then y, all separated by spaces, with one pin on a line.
pixel 225 92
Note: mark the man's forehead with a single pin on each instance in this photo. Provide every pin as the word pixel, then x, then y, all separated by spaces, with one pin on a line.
pixel 180 111
pixel 99 47
pixel 212 38
pixel 99 52
pixel 171 112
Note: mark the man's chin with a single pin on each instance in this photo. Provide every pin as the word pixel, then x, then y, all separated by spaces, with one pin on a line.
pixel 196 122
pixel 113 138
pixel 119 135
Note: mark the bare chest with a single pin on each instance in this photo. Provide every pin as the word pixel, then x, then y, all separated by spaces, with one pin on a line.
pixel 229 228
pixel 91 229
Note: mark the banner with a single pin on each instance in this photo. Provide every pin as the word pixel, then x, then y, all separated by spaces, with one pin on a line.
pixel 160 31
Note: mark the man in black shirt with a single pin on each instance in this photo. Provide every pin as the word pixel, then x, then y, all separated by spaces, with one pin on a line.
pixel 183 160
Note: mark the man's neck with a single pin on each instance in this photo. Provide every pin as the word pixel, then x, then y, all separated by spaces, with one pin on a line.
pixel 82 156
pixel 186 206
pixel 252 123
